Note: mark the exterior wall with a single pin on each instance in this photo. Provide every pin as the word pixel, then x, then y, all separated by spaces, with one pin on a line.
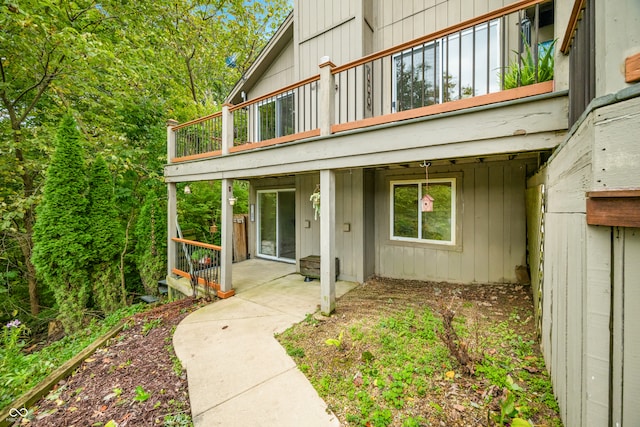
pixel 586 270
pixel 280 74
pixel 565 271
pixel 396 22
pixel 330 27
pixel 491 239
pixel 349 224
pixel 617 37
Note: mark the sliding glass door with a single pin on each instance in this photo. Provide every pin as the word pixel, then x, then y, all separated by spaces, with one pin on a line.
pixel 277 224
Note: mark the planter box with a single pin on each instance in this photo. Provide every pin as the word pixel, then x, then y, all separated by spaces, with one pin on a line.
pixel 310 267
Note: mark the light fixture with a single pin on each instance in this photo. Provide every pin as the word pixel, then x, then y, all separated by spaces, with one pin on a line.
pixel 232 201
pixel 187 189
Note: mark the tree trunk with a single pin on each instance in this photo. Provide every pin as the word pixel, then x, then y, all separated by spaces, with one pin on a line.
pixel 25 239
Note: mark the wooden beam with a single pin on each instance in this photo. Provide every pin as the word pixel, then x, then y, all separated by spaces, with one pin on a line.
pixel 632 68
pixel 614 208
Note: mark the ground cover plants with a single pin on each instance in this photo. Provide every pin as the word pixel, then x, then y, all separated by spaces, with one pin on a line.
pixel 386 358
pixel 20 370
pixel 135 379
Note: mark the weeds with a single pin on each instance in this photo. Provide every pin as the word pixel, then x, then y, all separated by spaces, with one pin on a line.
pixel 400 365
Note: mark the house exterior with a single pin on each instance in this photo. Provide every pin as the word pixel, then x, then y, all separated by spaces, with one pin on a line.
pixel 398 138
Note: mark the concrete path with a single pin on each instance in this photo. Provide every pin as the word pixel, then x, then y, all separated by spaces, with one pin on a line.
pixel 238 373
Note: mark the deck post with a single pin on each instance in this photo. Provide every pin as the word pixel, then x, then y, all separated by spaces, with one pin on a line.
pixel 226 225
pixel 172 202
pixel 327 241
pixel 326 96
pixel 171 140
pixel 227 128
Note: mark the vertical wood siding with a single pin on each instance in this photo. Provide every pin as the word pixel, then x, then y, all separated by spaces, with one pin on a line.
pixel 491 238
pixel 280 74
pixel 626 348
pixel 400 21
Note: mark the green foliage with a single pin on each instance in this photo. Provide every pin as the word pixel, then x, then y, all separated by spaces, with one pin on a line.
pixel 21 372
pixel 107 239
pixel 336 342
pixel 150 324
pixel 124 68
pixel 523 73
pixel 61 230
pixel 151 242
pixel 141 394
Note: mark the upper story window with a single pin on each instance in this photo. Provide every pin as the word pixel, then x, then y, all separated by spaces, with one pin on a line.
pixel 463 64
pixel 409 223
pixel 276 117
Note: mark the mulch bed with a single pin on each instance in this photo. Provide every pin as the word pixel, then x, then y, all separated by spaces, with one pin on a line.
pixel 132 381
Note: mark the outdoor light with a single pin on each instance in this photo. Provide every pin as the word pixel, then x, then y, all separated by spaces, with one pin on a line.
pixel 187 189
pixel 232 201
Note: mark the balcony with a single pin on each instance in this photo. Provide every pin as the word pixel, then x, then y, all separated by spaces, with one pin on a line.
pixel 500 56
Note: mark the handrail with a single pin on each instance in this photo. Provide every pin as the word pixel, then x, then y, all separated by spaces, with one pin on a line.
pixel 275 92
pixel 439 34
pixel 578 6
pixel 196 121
pixel 196 243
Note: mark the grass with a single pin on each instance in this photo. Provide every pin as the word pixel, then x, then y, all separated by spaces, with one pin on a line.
pixel 19 371
pixel 393 369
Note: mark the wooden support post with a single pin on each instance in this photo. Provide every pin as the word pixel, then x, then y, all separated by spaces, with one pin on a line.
pixel 172 203
pixel 226 225
pixel 171 140
pixel 326 96
pixel 327 241
pixel 172 212
pixel 227 129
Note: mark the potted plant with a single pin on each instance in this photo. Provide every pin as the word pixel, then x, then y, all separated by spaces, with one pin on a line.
pixel 523 72
pixel 201 256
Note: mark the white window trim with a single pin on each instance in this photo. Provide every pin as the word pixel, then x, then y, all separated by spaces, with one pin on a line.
pixel 259 224
pixel 419 182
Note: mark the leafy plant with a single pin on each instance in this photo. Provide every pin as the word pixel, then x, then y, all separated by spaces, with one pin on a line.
pixel 141 394
pixel 150 324
pixel 523 72
pixel 336 342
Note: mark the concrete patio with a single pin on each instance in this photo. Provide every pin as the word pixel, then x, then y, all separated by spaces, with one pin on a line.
pixel 238 374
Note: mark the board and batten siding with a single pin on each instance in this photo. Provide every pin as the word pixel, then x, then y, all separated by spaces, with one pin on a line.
pixel 350 239
pixel 565 304
pixel 397 22
pixel 491 231
pixel 280 73
pixel 626 345
pixel 328 28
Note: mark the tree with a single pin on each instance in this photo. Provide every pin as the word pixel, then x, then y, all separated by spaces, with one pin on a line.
pixel 123 68
pixel 61 235
pixel 151 244
pixel 107 239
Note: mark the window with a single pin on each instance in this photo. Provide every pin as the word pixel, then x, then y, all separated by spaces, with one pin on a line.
pixel 409 223
pixel 276 117
pixel 463 64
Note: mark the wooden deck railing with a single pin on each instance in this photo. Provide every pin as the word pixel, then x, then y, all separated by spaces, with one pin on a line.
pixel 284 115
pixel 475 62
pixel 199 262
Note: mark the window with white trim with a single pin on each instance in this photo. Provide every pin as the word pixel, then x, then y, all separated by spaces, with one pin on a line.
pixel 409 223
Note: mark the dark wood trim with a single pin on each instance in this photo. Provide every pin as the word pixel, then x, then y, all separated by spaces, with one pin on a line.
pixel 614 208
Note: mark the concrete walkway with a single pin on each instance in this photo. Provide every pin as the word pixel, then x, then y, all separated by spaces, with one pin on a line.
pixel 238 374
